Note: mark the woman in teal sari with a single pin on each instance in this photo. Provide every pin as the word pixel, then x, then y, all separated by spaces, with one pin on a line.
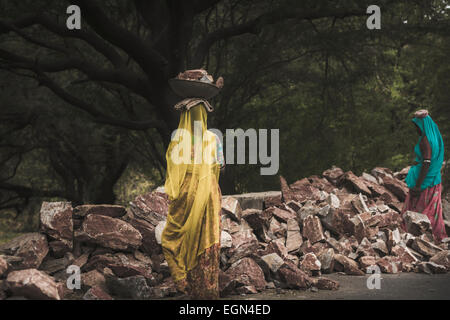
pixel 424 178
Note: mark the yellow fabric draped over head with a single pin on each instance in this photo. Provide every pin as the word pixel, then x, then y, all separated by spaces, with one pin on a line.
pixel 192 186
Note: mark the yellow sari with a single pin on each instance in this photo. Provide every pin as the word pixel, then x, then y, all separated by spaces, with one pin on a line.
pixel 193 221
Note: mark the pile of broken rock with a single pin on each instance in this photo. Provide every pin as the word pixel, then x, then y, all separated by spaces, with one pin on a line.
pixel 335 223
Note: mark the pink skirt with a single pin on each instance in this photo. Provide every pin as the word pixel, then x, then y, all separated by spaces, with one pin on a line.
pixel 429 203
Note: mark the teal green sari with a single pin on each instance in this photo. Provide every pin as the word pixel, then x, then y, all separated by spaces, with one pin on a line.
pixel 431 131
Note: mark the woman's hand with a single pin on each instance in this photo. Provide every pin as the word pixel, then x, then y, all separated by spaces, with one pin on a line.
pixel 415 192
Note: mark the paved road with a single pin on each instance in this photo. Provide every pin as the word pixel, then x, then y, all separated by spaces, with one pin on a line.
pixel 393 286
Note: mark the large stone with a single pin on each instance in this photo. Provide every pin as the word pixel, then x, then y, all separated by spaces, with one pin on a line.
pixel 164 289
pixel 226 241
pixel 365 248
pixel 347 265
pixel 281 214
pixel 110 210
pixel 272 201
pixel 159 265
pixel 390 264
pixel 431 267
pixel 310 264
pixel 380 247
pixel 231 206
pixel 32 284
pixel 325 284
pixel 303 190
pixel 397 206
pixel 244 272
pixel 359 204
pixel 315 248
pixel 326 258
pixel 56 220
pixel 381 172
pixel 278 247
pixel 258 220
pixel 273 261
pixel 13 262
pixel 294 238
pixel 292 277
pixel 333 201
pixel 231 226
pixel 152 207
pixel 356 183
pixel 109 232
pixel 390 219
pixel 366 261
pixel 147 230
pixel 322 184
pixel 333 175
pixel 58 248
pixel 401 175
pixel 93 278
pixel 134 287
pixel 416 223
pixel 442 258
pixel 309 209
pixel 52 266
pixel 32 248
pixel 397 187
pixel 368 177
pixel 338 246
pixel 393 238
pixel 425 248
pixel 381 192
pixel 404 254
pixel 335 221
pixel 96 293
pixel 355 226
pixel 243 244
pixel 276 230
pixel 294 205
pixel 323 211
pixel 123 265
pixel 81 260
pixel 312 229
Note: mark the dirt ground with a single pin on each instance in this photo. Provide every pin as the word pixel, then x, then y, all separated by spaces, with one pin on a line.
pixel 393 286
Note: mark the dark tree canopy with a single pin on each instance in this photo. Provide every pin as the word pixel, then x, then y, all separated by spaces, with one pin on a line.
pixel 86 115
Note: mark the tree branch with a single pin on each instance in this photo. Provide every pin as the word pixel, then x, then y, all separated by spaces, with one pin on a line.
pixel 27 192
pixel 254 26
pixel 90 38
pixel 149 59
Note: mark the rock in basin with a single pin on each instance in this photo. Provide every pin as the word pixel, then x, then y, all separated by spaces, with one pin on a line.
pixel 32 284
pixel 109 232
pixel 56 220
pixel 113 211
pixel 30 247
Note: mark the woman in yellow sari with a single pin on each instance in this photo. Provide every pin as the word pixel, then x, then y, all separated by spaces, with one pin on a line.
pixel 191 237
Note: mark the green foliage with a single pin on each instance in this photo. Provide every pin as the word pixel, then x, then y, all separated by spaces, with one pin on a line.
pixel 340 94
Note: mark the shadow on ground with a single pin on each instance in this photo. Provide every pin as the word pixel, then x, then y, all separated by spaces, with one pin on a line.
pixel 393 287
